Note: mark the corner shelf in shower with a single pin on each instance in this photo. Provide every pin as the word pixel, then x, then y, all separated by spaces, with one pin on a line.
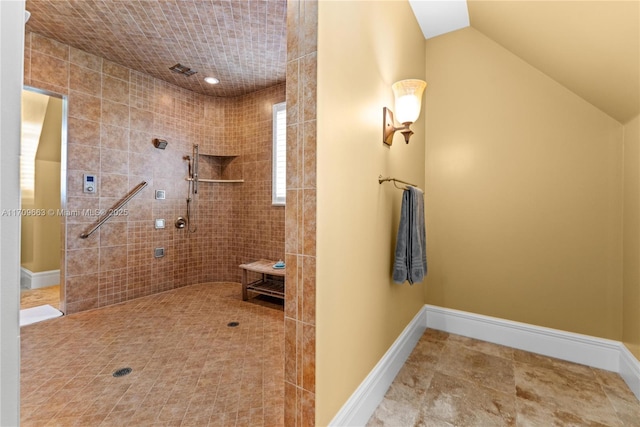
pixel 219 169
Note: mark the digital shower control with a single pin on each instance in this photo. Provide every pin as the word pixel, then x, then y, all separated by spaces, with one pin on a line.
pixel 89 183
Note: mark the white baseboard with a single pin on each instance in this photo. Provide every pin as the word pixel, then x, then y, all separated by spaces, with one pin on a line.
pixel 630 370
pixel 577 348
pixel 363 402
pixel 584 349
pixel 41 279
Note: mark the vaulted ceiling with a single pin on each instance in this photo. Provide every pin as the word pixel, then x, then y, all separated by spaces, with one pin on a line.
pixel 590 47
pixel 241 43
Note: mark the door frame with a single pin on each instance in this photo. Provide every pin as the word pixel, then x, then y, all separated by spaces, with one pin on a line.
pixel 63 182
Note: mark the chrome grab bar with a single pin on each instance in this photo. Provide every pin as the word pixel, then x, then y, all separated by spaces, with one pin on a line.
pixel 115 208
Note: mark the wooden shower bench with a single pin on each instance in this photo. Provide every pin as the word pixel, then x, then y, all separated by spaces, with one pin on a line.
pixel 266 285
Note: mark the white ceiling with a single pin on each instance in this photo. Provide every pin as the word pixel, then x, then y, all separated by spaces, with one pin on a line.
pixel 590 47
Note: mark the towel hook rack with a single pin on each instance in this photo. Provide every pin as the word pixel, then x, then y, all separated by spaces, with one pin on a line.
pixel 382 179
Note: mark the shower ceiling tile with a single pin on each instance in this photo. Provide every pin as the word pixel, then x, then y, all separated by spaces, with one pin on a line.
pixel 242 43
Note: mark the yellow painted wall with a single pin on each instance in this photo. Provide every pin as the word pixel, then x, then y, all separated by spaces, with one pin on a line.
pixel 363 48
pixel 524 192
pixel 631 249
pixel 47 228
pixel 26 238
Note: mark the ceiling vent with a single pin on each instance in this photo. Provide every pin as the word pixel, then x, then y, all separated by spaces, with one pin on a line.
pixel 181 69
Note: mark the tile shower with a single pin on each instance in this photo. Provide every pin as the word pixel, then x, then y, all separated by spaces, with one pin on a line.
pixel 114 113
pixel 45 61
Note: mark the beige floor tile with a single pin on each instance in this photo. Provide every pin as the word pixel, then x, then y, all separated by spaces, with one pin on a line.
pixel 478 367
pixel 191 369
pixel 465 403
pixel 449 380
pixel 41 296
pixel 188 366
pixel 569 396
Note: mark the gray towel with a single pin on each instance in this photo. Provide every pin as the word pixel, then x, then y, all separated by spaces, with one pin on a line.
pixel 410 262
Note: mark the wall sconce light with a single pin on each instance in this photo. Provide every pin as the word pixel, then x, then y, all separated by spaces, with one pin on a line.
pixel 408 97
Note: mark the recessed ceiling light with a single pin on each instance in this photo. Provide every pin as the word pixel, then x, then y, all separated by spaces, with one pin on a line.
pixel 211 80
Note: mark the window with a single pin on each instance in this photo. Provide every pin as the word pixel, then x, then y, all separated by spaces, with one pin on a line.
pixel 279 190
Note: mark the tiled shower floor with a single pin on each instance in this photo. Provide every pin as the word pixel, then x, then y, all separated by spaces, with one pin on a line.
pixel 189 367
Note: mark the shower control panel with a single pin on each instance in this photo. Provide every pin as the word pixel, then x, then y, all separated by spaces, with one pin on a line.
pixel 89 183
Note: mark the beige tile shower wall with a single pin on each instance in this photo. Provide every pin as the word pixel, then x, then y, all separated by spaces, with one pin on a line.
pixel 113 115
pixel 300 217
pixel 241 129
pixel 259 224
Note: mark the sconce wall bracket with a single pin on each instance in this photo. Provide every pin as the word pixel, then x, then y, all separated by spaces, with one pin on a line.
pixel 389 128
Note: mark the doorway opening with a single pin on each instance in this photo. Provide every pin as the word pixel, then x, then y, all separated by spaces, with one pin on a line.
pixel 42 193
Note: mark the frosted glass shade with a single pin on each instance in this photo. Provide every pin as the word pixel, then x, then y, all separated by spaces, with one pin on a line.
pixel 408 95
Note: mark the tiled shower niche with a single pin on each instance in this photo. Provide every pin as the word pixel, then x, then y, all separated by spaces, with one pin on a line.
pixel 226 169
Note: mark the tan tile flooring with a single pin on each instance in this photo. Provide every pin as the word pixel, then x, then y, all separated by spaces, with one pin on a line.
pixel 189 367
pixel 41 296
pixel 450 380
